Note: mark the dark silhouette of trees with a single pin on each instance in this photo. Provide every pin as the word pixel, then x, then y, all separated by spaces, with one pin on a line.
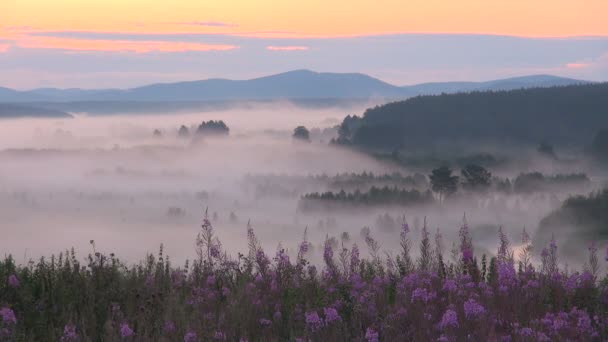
pixel 301 133
pixel 568 115
pixel 183 132
pixel 374 197
pixel 476 178
pixel 443 182
pixel 157 133
pixel 212 127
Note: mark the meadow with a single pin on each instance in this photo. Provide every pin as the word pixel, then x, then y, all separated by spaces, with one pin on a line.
pixel 358 293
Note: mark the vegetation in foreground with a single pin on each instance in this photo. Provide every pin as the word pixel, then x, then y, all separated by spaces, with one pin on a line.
pixel 440 296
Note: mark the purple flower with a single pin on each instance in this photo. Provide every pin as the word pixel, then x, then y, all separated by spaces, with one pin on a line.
pixel 405 228
pixel 450 285
pixel 13 281
pixel 449 320
pixel 277 316
pixel 265 322
pixel 190 337
pixel 420 294
pixel 467 255
pixel 313 320
pixel 526 332
pixel 472 309
pixel 331 315
pixel 8 316
pixel 211 280
pixel 169 327
pixel 126 331
pixel 69 333
pixel 219 335
pixel 371 335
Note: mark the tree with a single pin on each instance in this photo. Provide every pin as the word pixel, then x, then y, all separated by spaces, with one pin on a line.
pixel 476 178
pixel 212 127
pixel 157 133
pixel 443 182
pixel 183 132
pixel 301 133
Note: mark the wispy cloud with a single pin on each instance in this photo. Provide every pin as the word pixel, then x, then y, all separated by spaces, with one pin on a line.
pixel 4 47
pixel 117 45
pixel 577 65
pixel 209 23
pixel 287 48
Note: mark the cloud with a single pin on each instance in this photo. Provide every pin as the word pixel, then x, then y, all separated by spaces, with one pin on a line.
pixel 209 23
pixel 287 48
pixel 577 65
pixel 4 47
pixel 117 45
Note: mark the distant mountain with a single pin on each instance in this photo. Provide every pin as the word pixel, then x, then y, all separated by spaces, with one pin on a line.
pixel 298 84
pixel 21 111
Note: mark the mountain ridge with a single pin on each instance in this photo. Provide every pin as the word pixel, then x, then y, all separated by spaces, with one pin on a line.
pixel 295 84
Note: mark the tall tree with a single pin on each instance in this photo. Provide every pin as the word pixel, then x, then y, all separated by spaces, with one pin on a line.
pixel 476 177
pixel 443 182
pixel 301 133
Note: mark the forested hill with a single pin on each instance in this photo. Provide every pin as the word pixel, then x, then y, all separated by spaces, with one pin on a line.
pixel 558 115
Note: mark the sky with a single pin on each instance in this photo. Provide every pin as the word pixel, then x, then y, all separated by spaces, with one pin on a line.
pixel 126 43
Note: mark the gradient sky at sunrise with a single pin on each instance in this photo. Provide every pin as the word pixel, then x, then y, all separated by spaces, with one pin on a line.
pixel 122 43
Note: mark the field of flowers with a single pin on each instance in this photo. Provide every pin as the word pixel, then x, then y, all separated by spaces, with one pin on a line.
pixel 261 297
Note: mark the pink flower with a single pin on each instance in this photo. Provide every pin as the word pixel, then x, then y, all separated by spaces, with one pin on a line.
pixel 8 316
pixel 126 331
pixel 13 281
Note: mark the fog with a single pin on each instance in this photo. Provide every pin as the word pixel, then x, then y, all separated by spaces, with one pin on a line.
pixel 64 182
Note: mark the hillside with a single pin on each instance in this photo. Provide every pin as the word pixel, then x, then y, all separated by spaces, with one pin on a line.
pixel 19 111
pixel 558 115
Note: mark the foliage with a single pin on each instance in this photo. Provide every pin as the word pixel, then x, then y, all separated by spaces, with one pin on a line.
pixel 374 197
pixel 476 178
pixel 256 297
pixel 443 182
pixel 301 133
pixel 568 115
pixel 213 127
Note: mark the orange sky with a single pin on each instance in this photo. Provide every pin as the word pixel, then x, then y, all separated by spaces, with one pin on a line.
pixel 538 18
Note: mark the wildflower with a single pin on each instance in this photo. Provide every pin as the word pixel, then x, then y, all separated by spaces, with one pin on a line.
pixel 450 285
pixel 8 316
pixel 467 255
pixel 371 335
pixel 526 332
pixel 449 320
pixel 313 320
pixel 13 281
pixel 169 327
pixel 190 337
pixel 214 250
pixel 472 309
pixel 277 316
pixel 420 294
pixel 69 333
pixel 126 331
pixel 331 315
pixel 219 335
pixel 265 322
pixel 211 280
